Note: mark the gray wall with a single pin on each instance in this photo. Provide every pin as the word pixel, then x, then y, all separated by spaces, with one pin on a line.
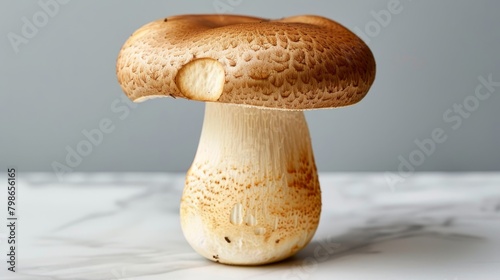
pixel 430 55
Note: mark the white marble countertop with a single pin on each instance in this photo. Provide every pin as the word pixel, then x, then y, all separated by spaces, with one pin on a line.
pixel 126 226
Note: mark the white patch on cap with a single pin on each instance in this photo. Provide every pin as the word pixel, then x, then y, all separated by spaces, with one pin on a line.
pixel 201 79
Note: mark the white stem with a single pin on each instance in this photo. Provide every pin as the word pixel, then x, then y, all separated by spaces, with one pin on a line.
pixel 252 194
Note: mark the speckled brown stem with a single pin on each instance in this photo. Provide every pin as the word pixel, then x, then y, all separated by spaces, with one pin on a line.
pixel 252 195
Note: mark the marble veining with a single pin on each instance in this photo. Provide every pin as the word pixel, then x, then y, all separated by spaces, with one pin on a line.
pixel 126 226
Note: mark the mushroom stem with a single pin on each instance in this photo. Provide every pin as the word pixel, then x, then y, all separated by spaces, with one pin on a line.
pixel 252 194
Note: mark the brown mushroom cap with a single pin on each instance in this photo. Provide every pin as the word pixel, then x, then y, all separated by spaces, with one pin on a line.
pixel 301 62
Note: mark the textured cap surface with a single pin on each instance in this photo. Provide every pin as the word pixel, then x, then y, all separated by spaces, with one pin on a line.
pixel 301 62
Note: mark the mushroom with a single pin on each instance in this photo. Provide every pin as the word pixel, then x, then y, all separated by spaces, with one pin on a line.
pixel 252 194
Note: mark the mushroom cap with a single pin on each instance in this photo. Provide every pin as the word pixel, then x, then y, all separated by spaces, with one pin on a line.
pixel 297 63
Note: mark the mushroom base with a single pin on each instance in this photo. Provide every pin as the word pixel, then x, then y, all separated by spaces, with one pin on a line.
pixel 252 194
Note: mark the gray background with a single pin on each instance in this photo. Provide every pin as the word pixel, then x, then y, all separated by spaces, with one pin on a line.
pixel 429 57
